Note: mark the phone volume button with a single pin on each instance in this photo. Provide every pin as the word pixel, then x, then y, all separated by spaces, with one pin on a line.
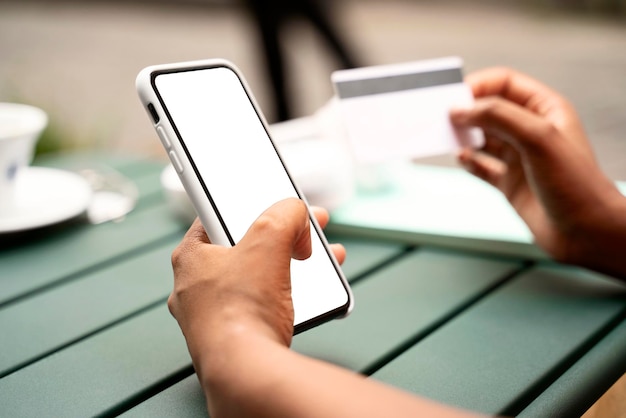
pixel 164 138
pixel 176 162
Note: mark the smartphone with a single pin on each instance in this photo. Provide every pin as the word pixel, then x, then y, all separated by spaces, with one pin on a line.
pixel 219 143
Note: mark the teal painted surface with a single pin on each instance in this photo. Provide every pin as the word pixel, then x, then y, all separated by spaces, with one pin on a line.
pixel 69 252
pixel 400 302
pixel 184 399
pixel 364 255
pixel 49 320
pixel 99 373
pixel 392 305
pixel 52 256
pixel 578 388
pixel 493 356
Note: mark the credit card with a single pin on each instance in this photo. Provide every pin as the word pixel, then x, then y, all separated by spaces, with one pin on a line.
pixel 401 111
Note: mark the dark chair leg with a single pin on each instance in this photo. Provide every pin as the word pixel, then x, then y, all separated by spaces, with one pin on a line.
pixel 269 20
pixel 270 17
pixel 316 12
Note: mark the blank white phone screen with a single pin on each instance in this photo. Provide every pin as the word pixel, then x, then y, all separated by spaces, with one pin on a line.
pixel 242 172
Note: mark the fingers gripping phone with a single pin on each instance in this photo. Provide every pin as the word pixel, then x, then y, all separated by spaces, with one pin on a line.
pixel 219 144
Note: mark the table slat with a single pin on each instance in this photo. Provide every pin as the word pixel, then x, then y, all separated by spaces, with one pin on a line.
pixel 363 255
pixel 99 374
pixel 498 352
pixel 85 330
pixel 47 321
pixel 69 252
pixel 587 380
pixel 395 286
pixel 184 399
pixel 401 302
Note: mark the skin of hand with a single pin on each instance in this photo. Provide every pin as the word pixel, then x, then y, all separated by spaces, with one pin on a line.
pixel 537 153
pixel 234 308
pixel 200 268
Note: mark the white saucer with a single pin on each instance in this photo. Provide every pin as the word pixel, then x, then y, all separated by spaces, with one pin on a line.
pixel 45 196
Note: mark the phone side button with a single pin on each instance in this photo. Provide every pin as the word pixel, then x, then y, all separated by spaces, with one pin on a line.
pixel 164 139
pixel 176 162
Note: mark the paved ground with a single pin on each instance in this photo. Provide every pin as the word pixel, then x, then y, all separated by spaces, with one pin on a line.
pixel 78 60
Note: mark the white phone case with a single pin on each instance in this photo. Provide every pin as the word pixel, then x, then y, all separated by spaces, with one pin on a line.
pixel 212 222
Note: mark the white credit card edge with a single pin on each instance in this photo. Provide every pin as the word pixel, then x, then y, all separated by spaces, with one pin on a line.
pixel 375 71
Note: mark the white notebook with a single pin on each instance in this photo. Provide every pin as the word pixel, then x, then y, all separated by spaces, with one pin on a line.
pixel 443 206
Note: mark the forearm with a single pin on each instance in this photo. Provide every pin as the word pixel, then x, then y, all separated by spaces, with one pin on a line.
pixel 254 376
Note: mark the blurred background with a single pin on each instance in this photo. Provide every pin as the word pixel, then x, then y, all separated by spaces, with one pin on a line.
pixel 78 59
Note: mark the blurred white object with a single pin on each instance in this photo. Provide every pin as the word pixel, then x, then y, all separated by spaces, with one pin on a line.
pixel 114 195
pixel 317 156
pixel 315 153
pixel 20 128
pixel 45 196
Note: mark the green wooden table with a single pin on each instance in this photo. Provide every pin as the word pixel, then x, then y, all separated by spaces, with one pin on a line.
pixel 85 329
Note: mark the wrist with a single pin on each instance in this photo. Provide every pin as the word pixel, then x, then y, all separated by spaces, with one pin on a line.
pixel 233 367
pixel 214 340
pixel 601 239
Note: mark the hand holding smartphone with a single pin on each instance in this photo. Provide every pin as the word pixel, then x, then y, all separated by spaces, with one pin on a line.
pixel 219 144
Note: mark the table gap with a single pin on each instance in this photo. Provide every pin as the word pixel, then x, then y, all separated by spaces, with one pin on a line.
pixel 401 254
pixel 391 355
pixel 148 392
pixel 91 269
pixel 526 398
pixel 84 337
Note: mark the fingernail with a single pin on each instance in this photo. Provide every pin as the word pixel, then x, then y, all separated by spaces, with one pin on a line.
pixel 464 157
pixel 459 113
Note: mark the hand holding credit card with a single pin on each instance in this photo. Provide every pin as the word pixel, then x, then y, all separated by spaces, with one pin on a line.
pixel 400 111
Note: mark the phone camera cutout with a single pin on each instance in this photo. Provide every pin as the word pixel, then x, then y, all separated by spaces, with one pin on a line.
pixel 153 113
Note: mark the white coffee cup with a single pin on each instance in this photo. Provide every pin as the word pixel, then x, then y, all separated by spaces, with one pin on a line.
pixel 20 128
